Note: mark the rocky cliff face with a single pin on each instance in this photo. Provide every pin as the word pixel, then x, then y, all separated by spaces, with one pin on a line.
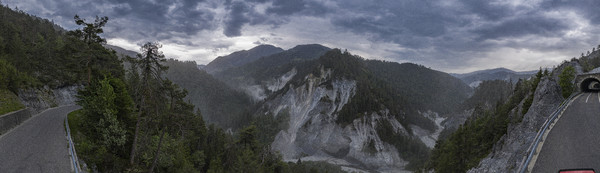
pixel 258 92
pixel 509 152
pixel 44 98
pixel 313 133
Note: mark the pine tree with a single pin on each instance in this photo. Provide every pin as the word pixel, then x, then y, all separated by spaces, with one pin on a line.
pixel 565 81
pixel 148 98
pixel 177 107
pixel 90 35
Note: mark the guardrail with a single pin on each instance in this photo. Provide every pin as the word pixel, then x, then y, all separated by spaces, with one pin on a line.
pixel 540 133
pixel 74 158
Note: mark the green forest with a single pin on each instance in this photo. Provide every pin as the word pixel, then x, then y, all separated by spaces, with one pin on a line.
pixel 472 141
pixel 140 118
pixel 132 120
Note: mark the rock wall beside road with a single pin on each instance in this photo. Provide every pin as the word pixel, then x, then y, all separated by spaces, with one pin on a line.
pixel 43 98
pixel 509 152
pixel 10 120
pixel 37 100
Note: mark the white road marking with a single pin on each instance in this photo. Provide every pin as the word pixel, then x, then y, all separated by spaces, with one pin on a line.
pixel 588 97
pixel 541 144
pixel 598 97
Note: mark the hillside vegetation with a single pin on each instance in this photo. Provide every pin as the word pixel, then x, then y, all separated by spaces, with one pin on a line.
pixel 404 90
pixel 240 58
pixel 130 121
pixel 272 66
pixel 217 102
pixel 45 54
pixel 474 140
pixel 9 102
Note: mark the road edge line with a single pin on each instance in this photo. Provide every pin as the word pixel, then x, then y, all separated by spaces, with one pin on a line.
pixel 30 118
pixel 543 139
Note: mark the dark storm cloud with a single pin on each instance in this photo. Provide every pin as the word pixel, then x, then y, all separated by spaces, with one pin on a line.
pixel 434 31
pixel 158 19
pixel 486 9
pixel 457 30
pixel 404 22
pixel 161 17
pixel 241 13
pixel 589 8
pixel 236 19
pixel 527 25
pixel 287 7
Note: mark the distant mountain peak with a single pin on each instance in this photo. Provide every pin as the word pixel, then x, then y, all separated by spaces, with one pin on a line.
pixel 265 46
pixel 309 47
pixel 473 79
pixel 240 58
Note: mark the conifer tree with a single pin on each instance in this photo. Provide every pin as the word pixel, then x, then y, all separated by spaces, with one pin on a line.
pixel 148 95
pixel 90 35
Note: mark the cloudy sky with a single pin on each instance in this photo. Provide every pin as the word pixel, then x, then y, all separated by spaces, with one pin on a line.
pixel 447 35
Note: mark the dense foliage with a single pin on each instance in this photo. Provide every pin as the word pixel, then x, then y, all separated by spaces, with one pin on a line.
pixel 270 66
pixel 240 58
pixel 213 97
pixel 9 102
pixel 164 132
pixel 173 137
pixel 44 54
pixel 566 81
pixel 591 60
pixel 474 140
pixel 426 89
pixel 403 89
pixel 410 148
pixel 488 93
pixel 105 127
pixel 9 77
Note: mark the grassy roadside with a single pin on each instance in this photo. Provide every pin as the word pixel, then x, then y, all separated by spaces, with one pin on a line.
pixel 79 139
pixel 9 102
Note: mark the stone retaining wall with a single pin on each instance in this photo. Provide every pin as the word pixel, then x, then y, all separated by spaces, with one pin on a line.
pixel 13 119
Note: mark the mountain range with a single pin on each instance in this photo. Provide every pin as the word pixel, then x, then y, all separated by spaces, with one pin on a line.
pixel 305 104
pixel 321 104
pixel 475 78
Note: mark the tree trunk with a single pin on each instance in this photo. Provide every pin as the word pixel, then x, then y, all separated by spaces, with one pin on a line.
pixel 157 151
pixel 135 139
pixel 162 135
pixel 137 124
pixel 89 70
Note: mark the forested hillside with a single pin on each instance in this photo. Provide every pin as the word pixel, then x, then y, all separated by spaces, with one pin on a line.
pixel 496 108
pixel 264 71
pixel 132 120
pixel 270 66
pixel 426 88
pixel 217 102
pixel 45 54
pixel 240 58
pixel 475 78
pixel 401 92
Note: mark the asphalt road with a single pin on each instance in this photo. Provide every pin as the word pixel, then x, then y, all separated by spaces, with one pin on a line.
pixel 574 141
pixel 37 145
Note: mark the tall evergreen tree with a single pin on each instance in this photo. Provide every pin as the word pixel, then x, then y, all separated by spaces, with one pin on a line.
pixel 90 35
pixel 177 106
pixel 148 98
pixel 565 81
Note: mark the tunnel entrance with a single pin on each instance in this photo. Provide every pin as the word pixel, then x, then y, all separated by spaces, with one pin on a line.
pixel 590 85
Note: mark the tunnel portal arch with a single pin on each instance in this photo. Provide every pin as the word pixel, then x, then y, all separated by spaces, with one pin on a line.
pixel 589 85
pixel 588 82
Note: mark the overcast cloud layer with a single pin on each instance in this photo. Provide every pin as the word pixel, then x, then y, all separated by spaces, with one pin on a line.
pixel 447 35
